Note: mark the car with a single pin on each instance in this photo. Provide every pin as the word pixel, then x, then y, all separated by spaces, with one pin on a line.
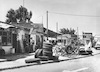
pixel 84 50
pixel 97 46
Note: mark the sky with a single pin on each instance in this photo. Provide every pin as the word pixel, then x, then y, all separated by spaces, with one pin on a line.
pixel 84 13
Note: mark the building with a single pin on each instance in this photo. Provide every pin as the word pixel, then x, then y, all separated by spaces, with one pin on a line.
pixel 16 38
pixel 22 37
pixel 87 38
pixel 6 38
pixel 64 39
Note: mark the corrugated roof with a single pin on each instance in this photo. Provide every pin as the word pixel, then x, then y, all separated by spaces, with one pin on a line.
pixel 51 33
pixel 2 25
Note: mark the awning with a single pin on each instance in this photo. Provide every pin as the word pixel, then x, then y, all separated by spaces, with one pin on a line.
pixel 5 26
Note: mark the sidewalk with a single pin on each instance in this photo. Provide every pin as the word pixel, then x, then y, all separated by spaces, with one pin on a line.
pixel 18 63
pixel 14 57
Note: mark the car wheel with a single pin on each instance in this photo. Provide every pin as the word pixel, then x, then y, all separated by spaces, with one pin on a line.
pixel 89 52
pixel 2 52
pixel 96 48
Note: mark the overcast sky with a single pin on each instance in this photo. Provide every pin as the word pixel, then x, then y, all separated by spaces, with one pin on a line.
pixel 76 7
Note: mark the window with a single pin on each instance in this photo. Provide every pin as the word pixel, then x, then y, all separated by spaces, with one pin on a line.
pixel 9 38
pixel 0 33
pixel 64 41
pixel 84 36
pixel 59 40
pixel 0 41
pixel 4 33
pixel 6 38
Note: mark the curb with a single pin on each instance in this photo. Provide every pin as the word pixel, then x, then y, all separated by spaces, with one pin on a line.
pixel 44 62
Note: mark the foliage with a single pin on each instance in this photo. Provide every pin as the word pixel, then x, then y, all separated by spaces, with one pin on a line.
pixel 11 16
pixel 19 15
pixel 67 31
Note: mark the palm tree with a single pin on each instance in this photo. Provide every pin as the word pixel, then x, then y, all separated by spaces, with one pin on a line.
pixel 64 31
pixel 72 31
pixel 67 31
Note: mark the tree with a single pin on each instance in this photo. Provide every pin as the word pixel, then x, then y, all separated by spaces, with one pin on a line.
pixel 19 15
pixel 67 31
pixel 63 31
pixel 11 15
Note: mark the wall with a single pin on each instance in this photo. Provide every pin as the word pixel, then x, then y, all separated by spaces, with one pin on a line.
pixel 21 36
pixel 8 49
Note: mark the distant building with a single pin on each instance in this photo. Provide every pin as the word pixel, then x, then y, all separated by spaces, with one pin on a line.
pixel 87 38
pixel 64 39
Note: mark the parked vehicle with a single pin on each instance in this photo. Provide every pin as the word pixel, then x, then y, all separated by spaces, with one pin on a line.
pixel 83 50
pixel 97 46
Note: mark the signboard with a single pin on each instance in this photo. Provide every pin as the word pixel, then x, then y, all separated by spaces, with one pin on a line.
pixel 37 28
pixel 87 36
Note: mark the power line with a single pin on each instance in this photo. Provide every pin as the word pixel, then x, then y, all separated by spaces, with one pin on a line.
pixel 40 16
pixel 74 14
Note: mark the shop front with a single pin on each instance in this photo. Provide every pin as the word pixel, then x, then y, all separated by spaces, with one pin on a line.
pixel 6 40
pixel 19 38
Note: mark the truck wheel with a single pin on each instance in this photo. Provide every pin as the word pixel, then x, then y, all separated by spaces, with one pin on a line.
pixel 47 49
pixel 69 50
pixel 44 58
pixel 39 52
pixel 47 53
pixel 79 53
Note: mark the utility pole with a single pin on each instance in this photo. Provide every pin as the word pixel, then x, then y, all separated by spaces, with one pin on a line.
pixel 23 3
pixel 47 24
pixel 42 19
pixel 77 32
pixel 56 29
pixel 78 37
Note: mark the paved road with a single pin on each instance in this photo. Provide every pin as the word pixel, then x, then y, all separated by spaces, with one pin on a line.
pixel 88 64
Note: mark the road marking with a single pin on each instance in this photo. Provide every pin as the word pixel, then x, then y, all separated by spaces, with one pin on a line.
pixel 81 69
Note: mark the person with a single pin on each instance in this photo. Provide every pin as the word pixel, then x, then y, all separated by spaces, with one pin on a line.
pixel 24 44
pixel 31 45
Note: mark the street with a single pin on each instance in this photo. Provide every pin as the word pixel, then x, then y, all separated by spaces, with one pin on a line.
pixel 87 64
pixel 49 36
